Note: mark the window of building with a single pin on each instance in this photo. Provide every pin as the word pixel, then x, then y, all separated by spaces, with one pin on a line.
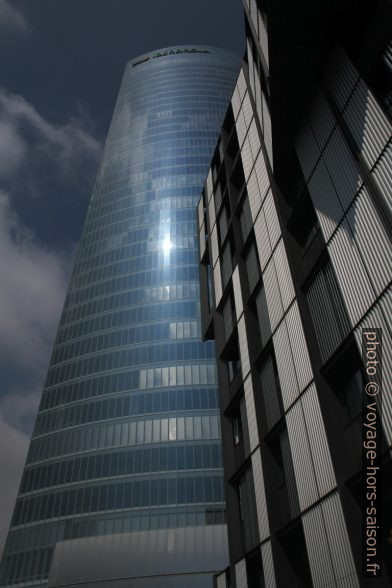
pixel 237 427
pixel 254 571
pixel 246 218
pixel 327 309
pixel 218 158
pixel 344 378
pixel 233 367
pixel 229 316
pixel 237 177
pixel 270 388
pixel 247 510
pixel 218 196
pixel 252 267
pixel 215 167
pixel 281 478
pixel 210 286
pixel 220 188
pixel 261 311
pixel 296 572
pixel 223 221
pixel 304 223
pixel 233 361
pixel 227 263
pixel 232 146
pixel 229 122
pixel 239 423
pixel 221 151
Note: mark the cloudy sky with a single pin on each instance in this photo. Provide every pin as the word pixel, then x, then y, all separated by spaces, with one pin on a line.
pixel 61 64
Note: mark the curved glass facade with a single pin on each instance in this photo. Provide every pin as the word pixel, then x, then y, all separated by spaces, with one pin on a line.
pixel 127 437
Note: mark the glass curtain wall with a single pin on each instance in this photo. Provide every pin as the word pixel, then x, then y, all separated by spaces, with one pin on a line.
pixel 127 436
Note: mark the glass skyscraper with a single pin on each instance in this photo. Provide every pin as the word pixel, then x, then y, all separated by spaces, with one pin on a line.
pixel 125 456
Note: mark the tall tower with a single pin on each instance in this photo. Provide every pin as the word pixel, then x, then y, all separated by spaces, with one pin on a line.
pixel 123 477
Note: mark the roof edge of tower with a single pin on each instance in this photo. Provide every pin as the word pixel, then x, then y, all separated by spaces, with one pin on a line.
pixel 177 50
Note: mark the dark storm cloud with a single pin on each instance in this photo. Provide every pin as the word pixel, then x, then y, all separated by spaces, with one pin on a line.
pixel 24 130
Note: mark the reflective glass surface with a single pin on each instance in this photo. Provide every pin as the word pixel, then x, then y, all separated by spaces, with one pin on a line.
pixel 127 435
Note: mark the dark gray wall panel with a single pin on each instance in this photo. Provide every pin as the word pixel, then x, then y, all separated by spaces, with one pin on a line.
pixel 135 555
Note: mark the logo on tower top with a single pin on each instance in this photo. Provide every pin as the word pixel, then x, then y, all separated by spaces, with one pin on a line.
pixel 169 52
pixel 141 61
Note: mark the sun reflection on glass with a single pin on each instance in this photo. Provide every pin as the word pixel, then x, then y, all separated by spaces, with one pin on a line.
pixel 166 244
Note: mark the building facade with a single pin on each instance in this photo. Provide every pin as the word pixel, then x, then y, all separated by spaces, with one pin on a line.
pixel 125 454
pixel 295 263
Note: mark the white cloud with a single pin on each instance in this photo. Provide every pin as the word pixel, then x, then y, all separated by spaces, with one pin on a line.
pixel 12 149
pixel 32 291
pixel 12 20
pixel 70 146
